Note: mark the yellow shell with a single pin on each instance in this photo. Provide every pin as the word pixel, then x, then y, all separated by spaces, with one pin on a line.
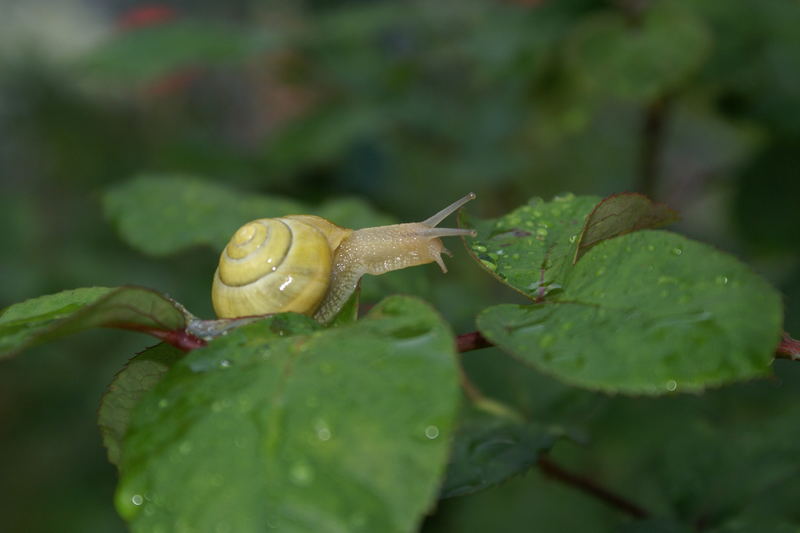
pixel 272 265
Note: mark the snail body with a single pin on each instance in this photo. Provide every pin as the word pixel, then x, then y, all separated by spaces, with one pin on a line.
pixel 309 265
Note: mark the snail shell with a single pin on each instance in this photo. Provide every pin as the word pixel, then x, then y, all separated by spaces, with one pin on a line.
pixel 272 265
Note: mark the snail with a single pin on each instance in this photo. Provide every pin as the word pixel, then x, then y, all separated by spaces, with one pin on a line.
pixel 309 265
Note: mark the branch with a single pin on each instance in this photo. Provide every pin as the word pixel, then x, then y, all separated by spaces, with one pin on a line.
pixel 586 485
pixel 467 342
pixel 652 131
pixel 788 348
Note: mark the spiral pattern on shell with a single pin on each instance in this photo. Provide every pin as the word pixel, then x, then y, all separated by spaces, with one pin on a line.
pixel 272 265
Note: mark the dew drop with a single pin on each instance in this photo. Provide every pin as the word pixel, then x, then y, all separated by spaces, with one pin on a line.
pixel 672 385
pixel 566 197
pixel 722 280
pixel 677 251
pixel 491 266
pixel 479 248
pixel 431 432
pixel 547 340
pixel 302 474
pixel 322 430
pixel 224 363
pixel 137 499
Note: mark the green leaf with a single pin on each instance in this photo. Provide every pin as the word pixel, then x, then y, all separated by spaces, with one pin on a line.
pixel 649 312
pixel 620 214
pixel 163 214
pixel 138 56
pixel 489 450
pixel 56 315
pixel 531 248
pixel 638 59
pixel 140 375
pixel 346 429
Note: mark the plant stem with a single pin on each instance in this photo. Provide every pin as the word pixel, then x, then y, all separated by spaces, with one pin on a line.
pixel 586 485
pixel 788 348
pixel 652 132
pixel 471 341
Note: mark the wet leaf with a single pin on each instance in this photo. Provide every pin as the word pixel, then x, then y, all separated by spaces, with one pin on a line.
pixel 140 375
pixel 56 315
pixel 620 214
pixel 344 429
pixel 649 312
pixel 488 451
pixel 531 248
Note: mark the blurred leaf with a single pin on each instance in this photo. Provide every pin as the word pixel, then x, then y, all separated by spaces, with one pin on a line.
pixel 488 451
pixel 322 137
pixel 141 55
pixel 620 214
pixel 649 312
pixel 163 214
pixel 725 459
pixel 640 57
pixel 531 248
pixel 140 375
pixel 344 429
pixel 48 317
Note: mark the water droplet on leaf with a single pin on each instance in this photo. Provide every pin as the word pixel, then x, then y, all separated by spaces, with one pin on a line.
pixel 431 432
pixel 302 474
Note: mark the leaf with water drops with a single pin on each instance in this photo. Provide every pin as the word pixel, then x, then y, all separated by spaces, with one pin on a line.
pixel 649 312
pixel 343 429
pixel 531 248
pixel 489 450
pixel 620 214
pixel 140 375
pixel 55 315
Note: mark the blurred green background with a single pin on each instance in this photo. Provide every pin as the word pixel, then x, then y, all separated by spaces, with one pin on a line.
pixel 408 105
